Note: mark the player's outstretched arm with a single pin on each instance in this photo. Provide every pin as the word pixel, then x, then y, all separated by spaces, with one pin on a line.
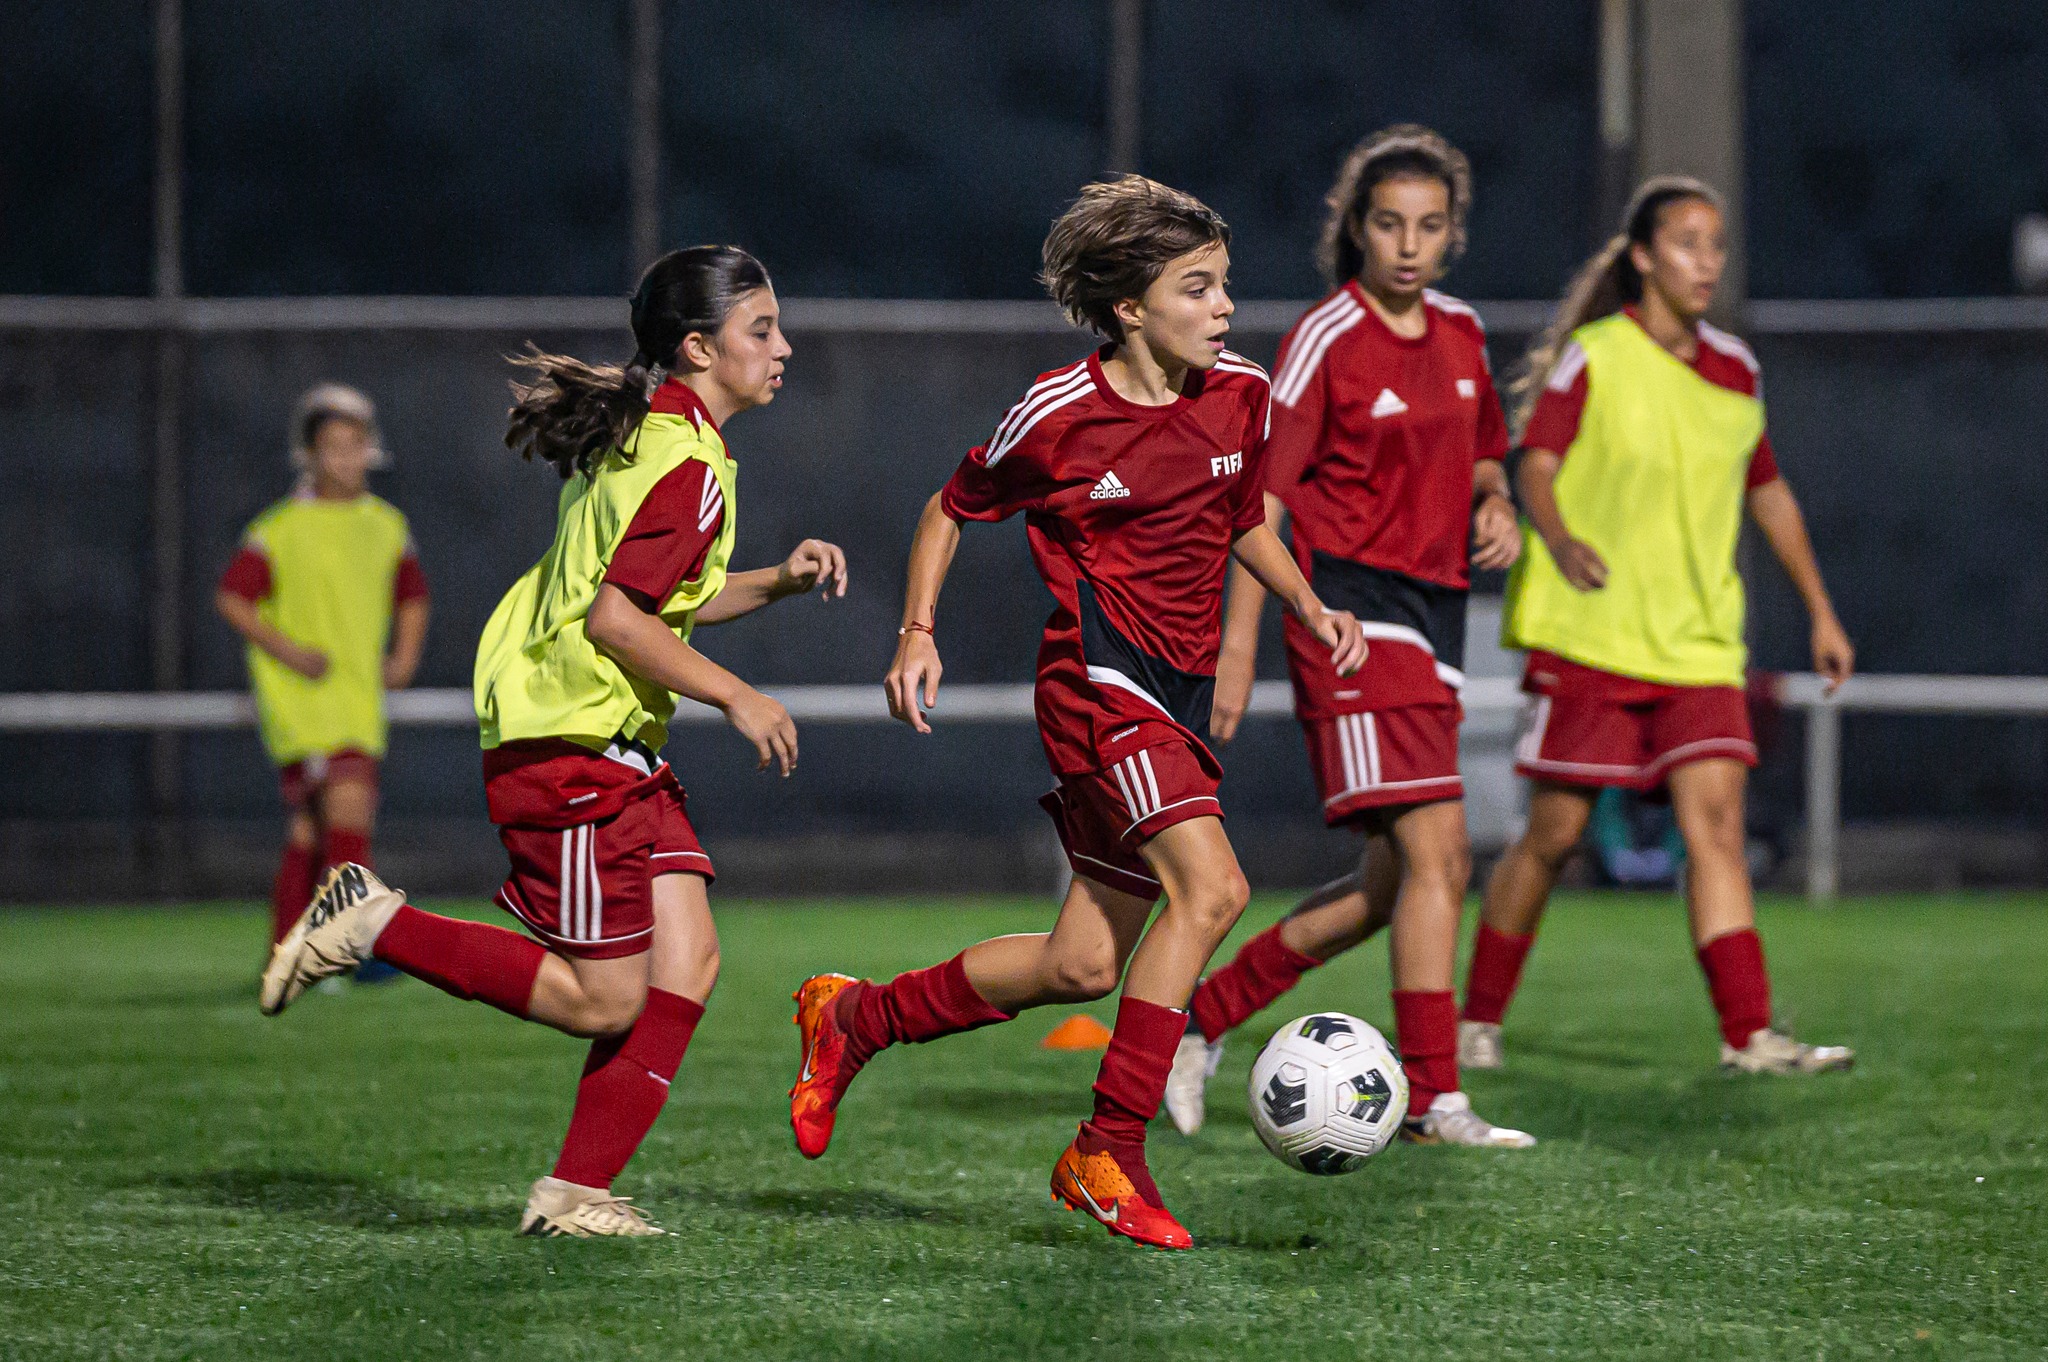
pixel 1776 512
pixel 408 638
pixel 813 564
pixel 912 684
pixel 631 634
pixel 1267 559
pixel 242 614
pixel 1575 558
pixel 1237 664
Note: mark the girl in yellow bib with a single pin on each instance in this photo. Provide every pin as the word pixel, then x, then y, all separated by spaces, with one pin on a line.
pixel 577 676
pixel 1644 440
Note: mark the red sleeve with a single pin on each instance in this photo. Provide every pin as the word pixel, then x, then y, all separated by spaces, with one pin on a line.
pixel 1297 430
pixel 1493 424
pixel 248 575
pixel 671 534
pixel 1250 511
pixel 1763 463
pixel 411 582
pixel 995 488
pixel 1554 424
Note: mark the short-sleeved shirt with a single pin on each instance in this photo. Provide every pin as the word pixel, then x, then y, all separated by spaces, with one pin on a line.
pixel 1375 436
pixel 1131 512
pixel 327 574
pixel 1719 358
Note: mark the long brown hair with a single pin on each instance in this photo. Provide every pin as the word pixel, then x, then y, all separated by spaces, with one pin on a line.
pixel 1403 149
pixel 1605 284
pixel 572 414
pixel 1113 241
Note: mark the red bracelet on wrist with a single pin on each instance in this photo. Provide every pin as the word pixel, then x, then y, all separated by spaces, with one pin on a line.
pixel 917 627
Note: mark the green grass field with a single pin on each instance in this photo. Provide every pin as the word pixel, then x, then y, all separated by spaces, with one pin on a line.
pixel 193 1181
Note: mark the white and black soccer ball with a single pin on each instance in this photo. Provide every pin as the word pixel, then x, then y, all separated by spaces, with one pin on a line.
pixel 1327 1093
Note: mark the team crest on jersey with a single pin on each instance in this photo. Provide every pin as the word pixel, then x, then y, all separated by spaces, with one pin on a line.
pixel 1388 403
pixel 1468 388
pixel 1110 488
pixel 1225 464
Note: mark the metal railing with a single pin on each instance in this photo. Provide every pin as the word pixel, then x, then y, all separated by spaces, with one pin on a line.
pixel 1978 696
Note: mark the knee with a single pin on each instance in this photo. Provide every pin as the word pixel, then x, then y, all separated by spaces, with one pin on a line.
pixel 1082 976
pixel 1550 844
pixel 1214 907
pixel 598 1017
pixel 1715 831
pixel 1446 861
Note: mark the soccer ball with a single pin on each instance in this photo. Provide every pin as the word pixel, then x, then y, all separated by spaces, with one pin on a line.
pixel 1327 1093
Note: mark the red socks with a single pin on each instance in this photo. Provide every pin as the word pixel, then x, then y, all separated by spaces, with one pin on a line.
pixel 1264 969
pixel 467 959
pixel 1738 984
pixel 346 844
pixel 1496 970
pixel 1130 1085
pixel 625 1082
pixel 917 1006
pixel 1426 1032
pixel 291 891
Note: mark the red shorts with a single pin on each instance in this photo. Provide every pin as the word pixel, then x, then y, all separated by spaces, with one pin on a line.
pixel 1588 727
pixel 1399 756
pixel 588 890
pixel 303 779
pixel 1105 816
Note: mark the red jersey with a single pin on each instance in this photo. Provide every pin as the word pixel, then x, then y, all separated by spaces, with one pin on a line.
pixel 1374 440
pixel 1131 511
pixel 1719 358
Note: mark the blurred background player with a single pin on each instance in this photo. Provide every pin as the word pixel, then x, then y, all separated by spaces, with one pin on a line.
pixel 1643 426
pixel 576 680
pixel 1138 472
pixel 1386 452
pixel 323 580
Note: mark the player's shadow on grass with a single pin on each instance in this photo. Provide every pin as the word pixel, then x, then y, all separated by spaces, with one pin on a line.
pixel 330 1198
pixel 834 1203
pixel 1004 1105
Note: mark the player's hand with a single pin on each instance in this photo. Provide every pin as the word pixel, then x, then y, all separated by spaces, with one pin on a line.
pixel 762 721
pixel 1235 668
pixel 1581 566
pixel 912 684
pixel 1834 657
pixel 398 673
pixel 310 663
pixel 1496 537
pixel 813 563
pixel 1339 631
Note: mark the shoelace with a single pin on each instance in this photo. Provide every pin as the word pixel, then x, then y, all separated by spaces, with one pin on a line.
pixel 612 1212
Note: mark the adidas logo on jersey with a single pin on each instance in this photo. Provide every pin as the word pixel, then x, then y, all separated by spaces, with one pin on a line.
pixel 1110 488
pixel 1387 404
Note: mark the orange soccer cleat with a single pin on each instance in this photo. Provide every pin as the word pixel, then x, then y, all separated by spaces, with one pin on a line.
pixel 1097 1184
pixel 825 1071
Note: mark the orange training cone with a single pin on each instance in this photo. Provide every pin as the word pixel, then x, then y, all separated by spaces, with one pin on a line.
pixel 1079 1032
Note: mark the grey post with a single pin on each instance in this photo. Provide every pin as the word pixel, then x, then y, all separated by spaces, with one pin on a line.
pixel 1126 83
pixel 1823 800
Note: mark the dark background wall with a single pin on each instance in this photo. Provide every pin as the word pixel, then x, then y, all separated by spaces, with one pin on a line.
pixel 919 149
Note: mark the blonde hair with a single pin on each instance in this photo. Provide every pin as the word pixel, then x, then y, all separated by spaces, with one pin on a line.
pixel 1403 149
pixel 1604 285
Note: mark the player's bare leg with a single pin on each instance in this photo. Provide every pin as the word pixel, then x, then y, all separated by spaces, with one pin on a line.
pixel 1707 800
pixel 1516 893
pixel 1103 1172
pixel 1079 960
pixel 1436 867
pixel 627 1076
pixel 1330 921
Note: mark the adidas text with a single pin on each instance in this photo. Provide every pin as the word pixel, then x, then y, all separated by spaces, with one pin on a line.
pixel 1109 489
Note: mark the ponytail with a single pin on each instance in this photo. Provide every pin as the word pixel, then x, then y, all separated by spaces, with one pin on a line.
pixel 1605 284
pixel 572 414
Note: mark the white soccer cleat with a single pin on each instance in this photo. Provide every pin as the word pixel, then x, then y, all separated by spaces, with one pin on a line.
pixel 1451 1120
pixel 566 1210
pixel 331 937
pixel 1771 1051
pixel 1479 1045
pixel 1187 1082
